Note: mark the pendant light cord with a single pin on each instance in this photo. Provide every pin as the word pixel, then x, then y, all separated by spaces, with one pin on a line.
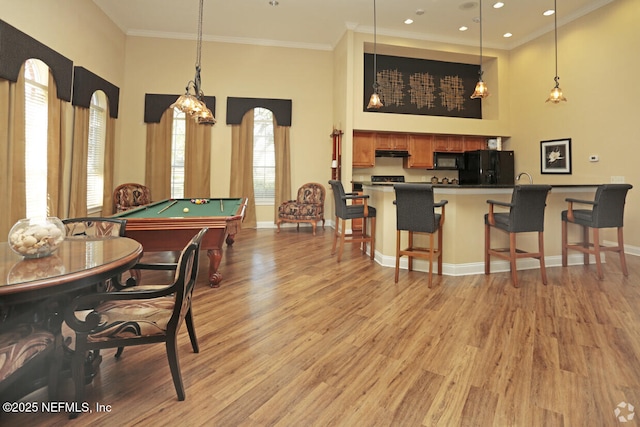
pixel 199 44
pixel 555 26
pixel 375 48
pixel 480 72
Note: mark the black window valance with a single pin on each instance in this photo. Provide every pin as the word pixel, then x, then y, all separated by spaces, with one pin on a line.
pixel 237 107
pixel 16 47
pixel 156 104
pixel 85 83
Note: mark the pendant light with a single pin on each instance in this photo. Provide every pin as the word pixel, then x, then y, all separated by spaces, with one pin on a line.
pixel 481 90
pixel 193 104
pixel 374 101
pixel 556 93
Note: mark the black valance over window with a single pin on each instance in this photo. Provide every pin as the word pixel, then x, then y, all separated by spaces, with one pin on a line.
pixel 156 104
pixel 16 47
pixel 237 107
pixel 85 83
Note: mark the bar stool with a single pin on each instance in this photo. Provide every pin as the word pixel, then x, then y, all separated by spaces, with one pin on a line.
pixel 415 213
pixel 607 212
pixel 344 212
pixel 526 214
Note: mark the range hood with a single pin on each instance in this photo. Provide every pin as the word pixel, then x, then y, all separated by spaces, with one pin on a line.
pixel 392 153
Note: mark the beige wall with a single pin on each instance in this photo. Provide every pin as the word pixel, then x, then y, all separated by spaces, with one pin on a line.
pixel 597 54
pixel 598 67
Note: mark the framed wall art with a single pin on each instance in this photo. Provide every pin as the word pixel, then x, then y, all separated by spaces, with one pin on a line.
pixel 555 156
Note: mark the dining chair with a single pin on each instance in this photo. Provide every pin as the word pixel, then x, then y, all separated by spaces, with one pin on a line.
pixel 526 214
pixel 130 195
pixel 607 211
pixel 135 317
pixel 24 347
pixel 94 227
pixel 347 210
pixel 415 213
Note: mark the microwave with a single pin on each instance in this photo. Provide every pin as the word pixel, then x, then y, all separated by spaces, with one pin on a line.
pixel 448 160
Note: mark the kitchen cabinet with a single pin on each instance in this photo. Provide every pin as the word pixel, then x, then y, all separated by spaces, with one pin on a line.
pixel 421 152
pixel 472 143
pixel 451 143
pixel 364 149
pixel 391 141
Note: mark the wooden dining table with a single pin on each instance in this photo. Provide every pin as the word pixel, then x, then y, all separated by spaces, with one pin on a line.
pixel 77 264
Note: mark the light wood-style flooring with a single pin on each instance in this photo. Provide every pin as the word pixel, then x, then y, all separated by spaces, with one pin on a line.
pixel 292 338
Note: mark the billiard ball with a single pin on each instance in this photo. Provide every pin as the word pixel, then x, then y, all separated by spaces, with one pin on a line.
pixel 185 210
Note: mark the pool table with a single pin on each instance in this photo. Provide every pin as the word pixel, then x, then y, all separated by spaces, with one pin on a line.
pixel 164 226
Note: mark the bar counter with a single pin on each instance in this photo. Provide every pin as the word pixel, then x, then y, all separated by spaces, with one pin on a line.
pixel 463 233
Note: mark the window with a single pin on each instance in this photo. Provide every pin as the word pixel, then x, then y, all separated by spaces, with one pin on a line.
pixel 178 138
pixel 264 157
pixel 95 152
pixel 36 74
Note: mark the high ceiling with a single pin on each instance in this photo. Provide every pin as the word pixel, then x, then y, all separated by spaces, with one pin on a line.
pixel 319 24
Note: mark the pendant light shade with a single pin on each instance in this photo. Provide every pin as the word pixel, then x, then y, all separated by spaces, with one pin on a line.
pixel 374 101
pixel 556 93
pixel 193 104
pixel 481 90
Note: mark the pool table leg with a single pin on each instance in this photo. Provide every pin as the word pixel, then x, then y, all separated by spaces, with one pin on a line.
pixel 215 256
pixel 231 239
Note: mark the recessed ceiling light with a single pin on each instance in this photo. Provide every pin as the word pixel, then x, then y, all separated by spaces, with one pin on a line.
pixel 463 28
pixel 408 21
pixel 274 2
pixel 507 35
pixel 419 12
pixel 468 5
pixel 498 5
pixel 548 12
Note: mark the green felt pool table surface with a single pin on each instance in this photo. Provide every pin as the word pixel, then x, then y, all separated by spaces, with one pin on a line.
pixel 164 226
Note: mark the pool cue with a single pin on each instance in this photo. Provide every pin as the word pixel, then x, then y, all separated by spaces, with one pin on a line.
pixel 167 207
pixel 221 206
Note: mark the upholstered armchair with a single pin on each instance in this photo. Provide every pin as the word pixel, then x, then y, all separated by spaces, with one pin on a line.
pixel 308 207
pixel 130 195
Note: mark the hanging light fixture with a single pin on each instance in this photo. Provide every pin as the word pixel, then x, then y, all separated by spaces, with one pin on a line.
pixel 556 93
pixel 193 104
pixel 481 90
pixel 374 101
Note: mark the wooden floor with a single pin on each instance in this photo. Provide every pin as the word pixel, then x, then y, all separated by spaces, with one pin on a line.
pixel 292 338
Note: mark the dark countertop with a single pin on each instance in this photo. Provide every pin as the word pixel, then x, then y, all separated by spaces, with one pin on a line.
pixel 390 184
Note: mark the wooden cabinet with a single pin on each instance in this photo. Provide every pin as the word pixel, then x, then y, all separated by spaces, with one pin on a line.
pixel 472 143
pixel 421 152
pixel 451 143
pixel 364 149
pixel 391 141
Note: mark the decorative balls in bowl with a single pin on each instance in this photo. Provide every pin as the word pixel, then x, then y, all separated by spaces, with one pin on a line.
pixel 36 237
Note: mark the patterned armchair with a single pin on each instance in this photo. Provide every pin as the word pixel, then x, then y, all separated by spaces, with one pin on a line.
pixel 308 207
pixel 130 195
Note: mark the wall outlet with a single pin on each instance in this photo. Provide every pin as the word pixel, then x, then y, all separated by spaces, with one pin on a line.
pixel 617 179
pixel 594 158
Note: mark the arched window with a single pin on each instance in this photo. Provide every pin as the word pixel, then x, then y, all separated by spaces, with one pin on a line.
pixel 178 138
pixel 264 157
pixel 95 152
pixel 36 74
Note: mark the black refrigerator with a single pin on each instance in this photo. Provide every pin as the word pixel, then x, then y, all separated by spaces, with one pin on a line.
pixel 487 167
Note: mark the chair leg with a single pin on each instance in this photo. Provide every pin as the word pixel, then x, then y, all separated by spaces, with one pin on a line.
pixel 397 255
pixel 174 366
pixel 341 249
pixel 440 251
pixel 564 244
pixel 192 331
pixel 373 238
pixel 278 225
pixel 585 243
pixel 596 251
pixel 119 352
pixel 77 373
pixel 623 261
pixel 323 223
pixel 487 246
pixel 410 260
pixel 363 245
pixel 313 227
pixel 543 270
pixel 431 242
pixel 335 236
pixel 512 258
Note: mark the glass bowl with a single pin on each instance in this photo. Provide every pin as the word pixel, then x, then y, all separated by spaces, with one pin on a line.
pixel 36 237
